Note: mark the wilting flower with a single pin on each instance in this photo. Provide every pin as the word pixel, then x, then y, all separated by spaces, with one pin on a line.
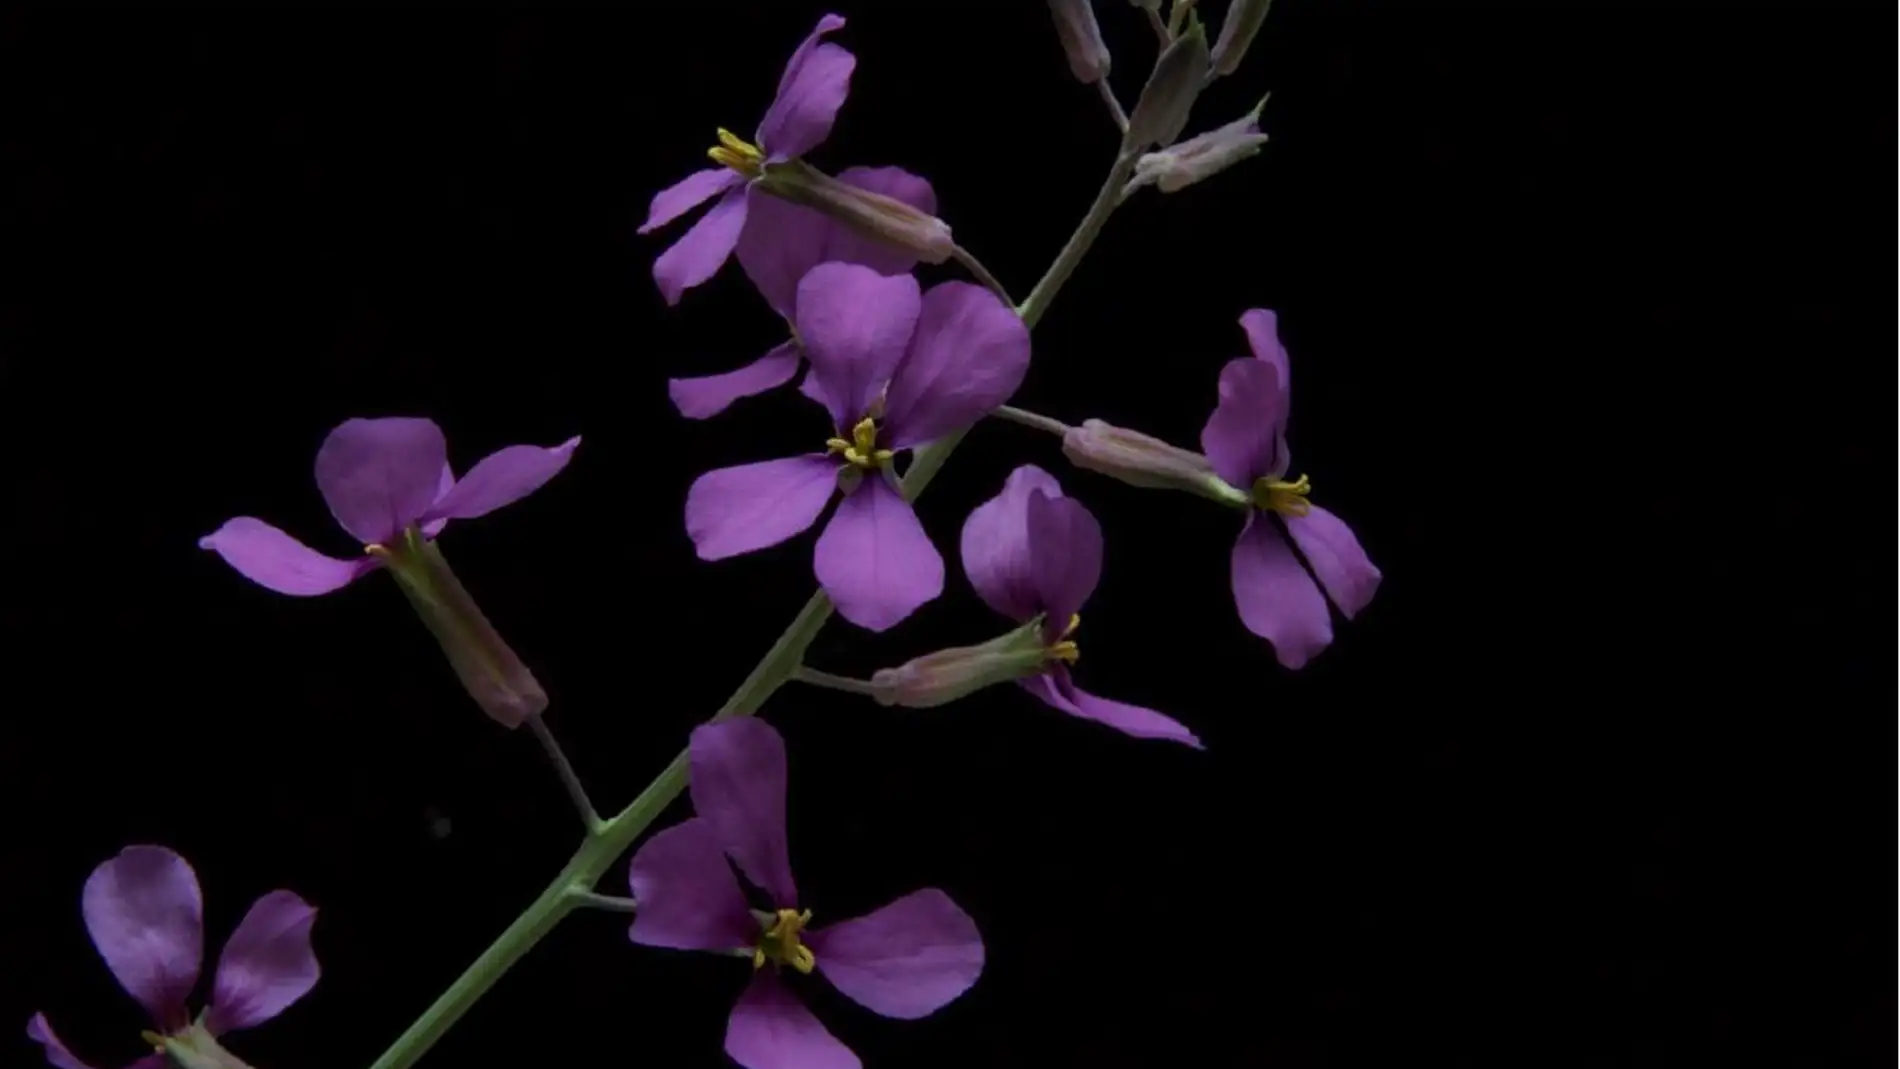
pixel 1162 109
pixel 906 960
pixel 1035 556
pixel 1201 156
pixel 895 368
pixel 1245 439
pixel 145 914
pixel 780 243
pixel 1237 32
pixel 388 483
pixel 1081 39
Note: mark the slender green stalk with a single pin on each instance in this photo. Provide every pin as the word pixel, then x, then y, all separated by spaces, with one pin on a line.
pixel 596 900
pixel 976 268
pixel 1027 418
pixel 590 817
pixel 813 677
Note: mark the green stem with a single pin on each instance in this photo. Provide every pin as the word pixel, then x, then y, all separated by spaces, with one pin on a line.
pixel 590 817
pixel 813 677
pixel 1040 422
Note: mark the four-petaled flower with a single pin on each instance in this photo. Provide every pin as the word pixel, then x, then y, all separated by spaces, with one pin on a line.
pixel 1245 440
pixel 896 368
pixel 906 960
pixel 145 914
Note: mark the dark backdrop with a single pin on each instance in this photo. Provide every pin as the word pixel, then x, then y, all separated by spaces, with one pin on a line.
pixel 1587 306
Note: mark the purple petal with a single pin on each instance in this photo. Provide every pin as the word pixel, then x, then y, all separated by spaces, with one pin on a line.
pixel 1065 558
pixel 274 560
pixel 709 395
pixel 810 92
pixel 770 1029
pixel 907 960
pixel 432 528
pixel 1060 692
pixel 854 324
pixel 686 194
pixel 146 917
pixel 702 250
pixel 380 475
pixel 1245 435
pixel 1262 328
pixel 811 386
pixel 968 355
pixel 851 245
pixel 1337 559
pixel 730 511
pixel 1277 599
pixel 267 964
pixel 874 558
pixel 780 243
pixel 688 897
pixel 995 545
pixel 737 780
pixel 503 478
pixel 39 1031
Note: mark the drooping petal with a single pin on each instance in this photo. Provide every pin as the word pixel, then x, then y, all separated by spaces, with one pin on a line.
pixel 380 475
pixel 702 250
pixel 267 964
pixel 854 324
pixel 907 960
pixel 146 917
pixel 686 194
pixel 968 355
pixel 814 86
pixel 854 246
pixel 874 558
pixel 274 560
pixel 1065 557
pixel 688 897
pixel 709 395
pixel 995 545
pixel 1337 559
pixel 1277 599
pixel 1262 328
pixel 503 478
pixel 1244 437
pixel 736 510
pixel 1058 690
pixel 781 242
pixel 770 1029
pixel 737 779
pixel 39 1031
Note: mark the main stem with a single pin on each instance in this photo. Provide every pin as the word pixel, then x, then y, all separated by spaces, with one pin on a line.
pixel 612 837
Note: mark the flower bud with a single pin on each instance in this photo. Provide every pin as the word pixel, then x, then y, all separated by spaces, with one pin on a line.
pixel 1081 39
pixel 885 218
pixel 1203 155
pixel 1169 95
pixel 1237 31
pixel 1141 460
pixel 946 675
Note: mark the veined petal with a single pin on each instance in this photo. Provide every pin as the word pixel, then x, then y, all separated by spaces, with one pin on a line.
pixel 502 478
pixel 274 560
pixel 814 86
pixel 854 324
pixel 1065 558
pixel 688 898
pixel 770 1029
pixel 146 918
pixel 907 960
pixel 709 395
pixel 266 965
pixel 1338 561
pixel 702 250
pixel 851 245
pixel 1277 599
pixel 41 1032
pixel 874 558
pixel 1244 437
pixel 1058 690
pixel 380 475
pixel 686 194
pixel 995 545
pixel 737 510
pixel 737 780
pixel 968 355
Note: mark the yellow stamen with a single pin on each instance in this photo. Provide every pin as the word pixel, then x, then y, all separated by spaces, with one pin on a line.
pixel 1285 498
pixel 377 550
pixel 157 1041
pixel 780 942
pixel 862 449
pixel 1065 649
pixel 738 154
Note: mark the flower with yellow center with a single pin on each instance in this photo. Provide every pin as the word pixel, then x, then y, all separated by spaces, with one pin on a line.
pixel 1285 498
pixel 780 944
pixel 737 154
pixel 861 451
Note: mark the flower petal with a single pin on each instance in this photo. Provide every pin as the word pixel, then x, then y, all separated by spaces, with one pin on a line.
pixel 854 324
pixel 995 545
pixel 770 1029
pixel 686 194
pixel 816 81
pixel 851 245
pixel 968 355
pixel 737 780
pixel 874 558
pixel 1262 328
pixel 39 1031
pixel 1059 691
pixel 380 475
pixel 736 510
pixel 781 242
pixel 702 250
pixel 274 560
pixel 433 528
pixel 688 897
pixel 1277 599
pixel 907 960
pixel 1338 561
pixel 267 964
pixel 1065 558
pixel 146 917
pixel 1244 437
pixel 502 478
pixel 709 395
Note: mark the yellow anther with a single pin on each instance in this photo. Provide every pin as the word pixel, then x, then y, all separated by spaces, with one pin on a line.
pixel 378 550
pixel 1065 649
pixel 862 449
pixel 738 154
pixel 780 942
pixel 156 1041
pixel 1285 498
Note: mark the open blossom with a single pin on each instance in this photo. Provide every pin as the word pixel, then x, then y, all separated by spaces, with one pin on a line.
pixel 1245 440
pixel 389 485
pixel 895 368
pixel 145 914
pixel 906 960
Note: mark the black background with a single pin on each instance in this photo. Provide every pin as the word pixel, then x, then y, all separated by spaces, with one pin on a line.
pixel 1587 311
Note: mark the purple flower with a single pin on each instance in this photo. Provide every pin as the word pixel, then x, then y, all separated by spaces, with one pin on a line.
pixel 812 89
pixel 906 960
pixel 1034 554
pixel 146 917
pixel 1245 439
pixel 895 368
pixel 779 244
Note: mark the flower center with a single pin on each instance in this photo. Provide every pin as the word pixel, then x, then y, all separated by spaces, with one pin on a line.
pixel 740 155
pixel 1065 649
pixel 780 943
pixel 1285 498
pixel 862 449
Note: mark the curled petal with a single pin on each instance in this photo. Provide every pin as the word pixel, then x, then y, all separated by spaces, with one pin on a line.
pixel 854 324
pixel 503 478
pixel 686 194
pixel 969 354
pixel 709 395
pixel 1277 599
pixel 39 1031
pixel 995 545
pixel 702 250
pixel 1262 328
pixel 737 510
pixel 907 960
pixel 816 81
pixel 266 965
pixel 770 1029
pixel 875 560
pixel 1245 437
pixel 688 898
pixel 1337 559
pixel 380 475
pixel 274 560
pixel 1065 552
pixel 737 779
pixel 146 917
pixel 1058 691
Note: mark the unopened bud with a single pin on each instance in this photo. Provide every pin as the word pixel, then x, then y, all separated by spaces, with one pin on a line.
pixel 946 675
pixel 1203 155
pixel 885 218
pixel 1081 39
pixel 1141 460
pixel 1169 95
pixel 1237 31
